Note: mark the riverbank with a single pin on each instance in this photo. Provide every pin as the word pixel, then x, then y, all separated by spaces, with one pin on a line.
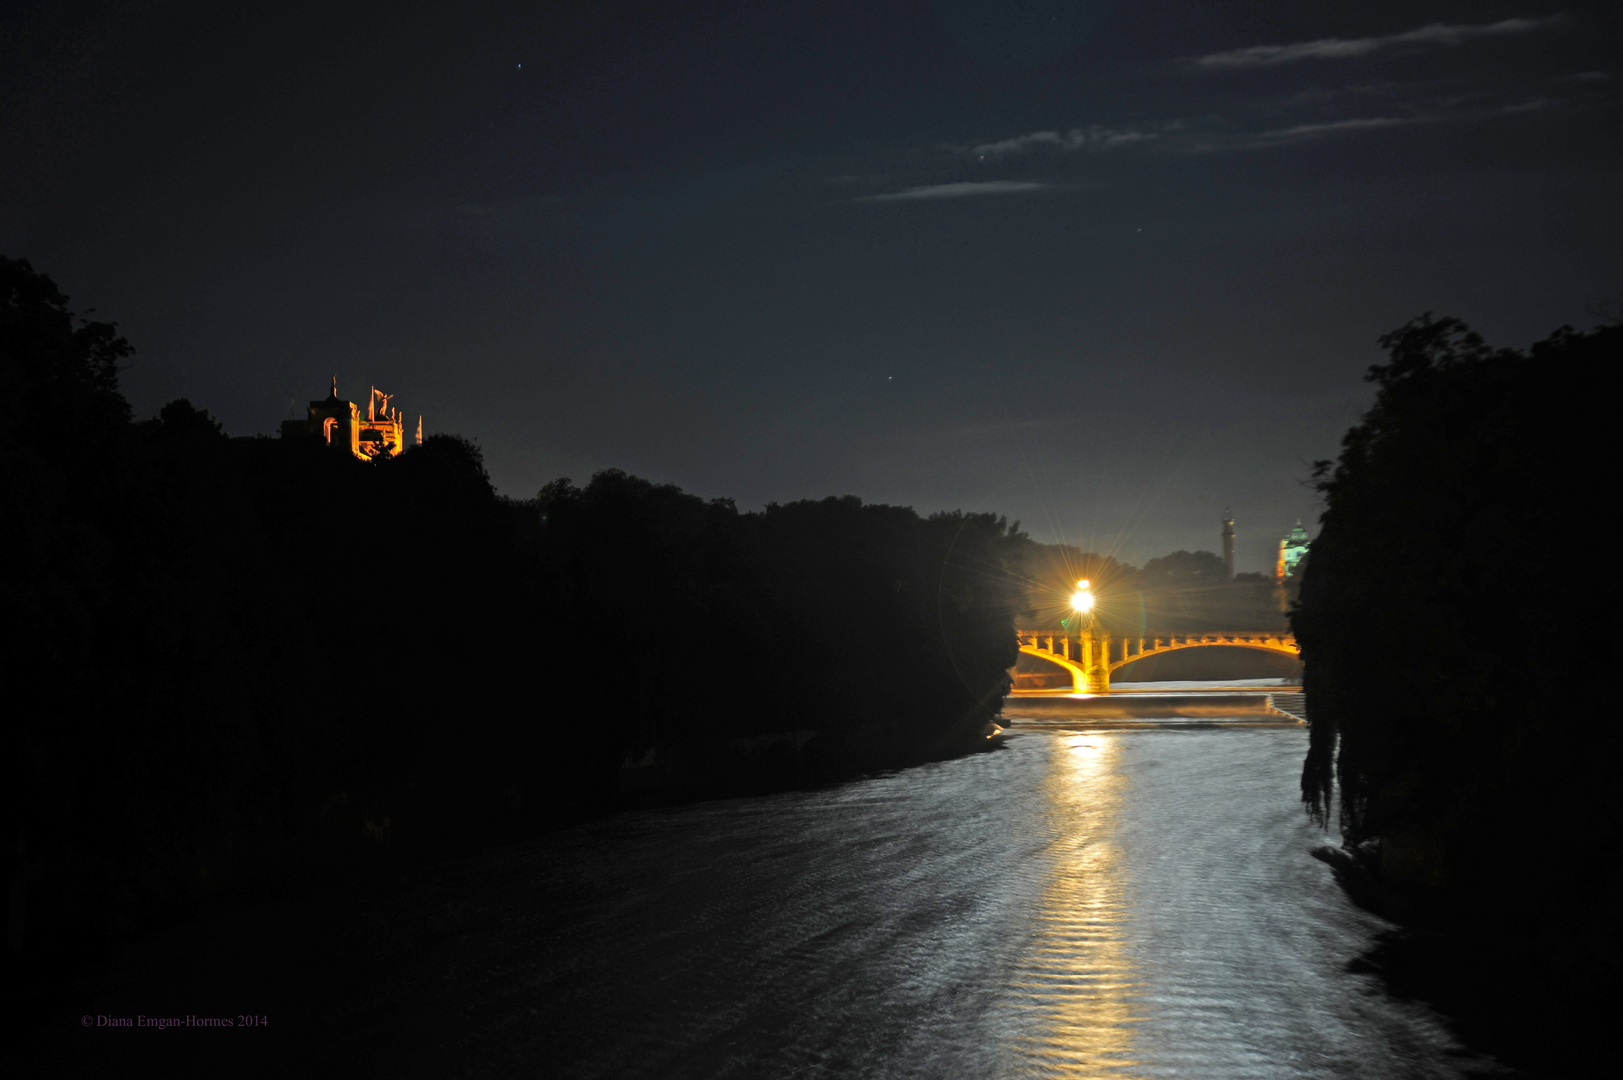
pixel 1524 993
pixel 1511 1003
pixel 1149 706
pixel 787 760
pixel 1228 701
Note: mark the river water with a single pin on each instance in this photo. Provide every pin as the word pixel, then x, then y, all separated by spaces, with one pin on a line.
pixel 1109 902
pixel 1084 902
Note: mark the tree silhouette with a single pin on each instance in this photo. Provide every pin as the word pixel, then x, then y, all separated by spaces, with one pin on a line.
pixel 1451 644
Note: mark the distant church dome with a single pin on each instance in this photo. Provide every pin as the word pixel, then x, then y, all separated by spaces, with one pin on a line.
pixel 1292 549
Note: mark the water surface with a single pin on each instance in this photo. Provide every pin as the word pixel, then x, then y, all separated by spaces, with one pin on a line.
pixel 1136 901
pixel 1082 903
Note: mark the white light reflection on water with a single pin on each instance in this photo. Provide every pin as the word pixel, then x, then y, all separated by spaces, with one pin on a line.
pixel 1185 931
pixel 1077 977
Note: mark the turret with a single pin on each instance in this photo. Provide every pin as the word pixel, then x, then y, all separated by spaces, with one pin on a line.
pixel 1228 544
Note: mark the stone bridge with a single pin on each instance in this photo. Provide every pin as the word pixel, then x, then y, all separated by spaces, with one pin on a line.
pixel 1091 657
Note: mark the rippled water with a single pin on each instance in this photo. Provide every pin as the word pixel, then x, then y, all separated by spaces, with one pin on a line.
pixel 1083 903
pixel 1104 903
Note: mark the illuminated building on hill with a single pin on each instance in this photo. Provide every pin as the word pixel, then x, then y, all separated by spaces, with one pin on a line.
pixel 1291 551
pixel 336 422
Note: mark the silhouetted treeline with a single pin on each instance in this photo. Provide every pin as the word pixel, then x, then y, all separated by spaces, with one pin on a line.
pixel 225 656
pixel 1458 650
pixel 1184 592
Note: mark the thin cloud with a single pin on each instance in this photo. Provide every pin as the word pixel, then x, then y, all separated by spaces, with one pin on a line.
pixel 961 190
pixel 1297 133
pixel 1334 127
pixel 1534 105
pixel 1358 125
pixel 1344 48
pixel 1097 137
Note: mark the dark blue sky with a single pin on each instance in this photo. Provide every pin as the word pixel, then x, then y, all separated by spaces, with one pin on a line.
pixel 1104 268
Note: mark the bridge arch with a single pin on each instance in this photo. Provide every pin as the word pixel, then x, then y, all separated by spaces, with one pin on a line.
pixel 1090 657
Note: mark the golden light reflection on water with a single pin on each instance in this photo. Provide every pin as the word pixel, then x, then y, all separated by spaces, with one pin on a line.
pixel 1077 978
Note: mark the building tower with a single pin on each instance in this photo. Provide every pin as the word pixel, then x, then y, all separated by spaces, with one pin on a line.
pixel 1292 549
pixel 1228 544
pixel 333 420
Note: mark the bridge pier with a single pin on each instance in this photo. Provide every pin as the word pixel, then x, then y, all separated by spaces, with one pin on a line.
pixel 1097 666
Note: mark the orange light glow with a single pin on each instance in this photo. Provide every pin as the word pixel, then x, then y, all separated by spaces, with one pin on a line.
pixel 1083 600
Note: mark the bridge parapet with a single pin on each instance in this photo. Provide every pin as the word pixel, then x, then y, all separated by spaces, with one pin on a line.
pixel 1090 657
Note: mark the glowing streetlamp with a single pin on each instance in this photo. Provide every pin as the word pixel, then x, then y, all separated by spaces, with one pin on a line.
pixel 1082 604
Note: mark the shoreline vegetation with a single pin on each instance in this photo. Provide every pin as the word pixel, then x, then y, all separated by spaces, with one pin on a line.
pixel 1446 623
pixel 259 654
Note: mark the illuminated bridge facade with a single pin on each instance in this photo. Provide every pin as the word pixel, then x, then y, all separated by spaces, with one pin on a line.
pixel 1091 657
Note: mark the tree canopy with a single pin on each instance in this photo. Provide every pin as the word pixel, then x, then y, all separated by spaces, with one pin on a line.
pixel 1452 647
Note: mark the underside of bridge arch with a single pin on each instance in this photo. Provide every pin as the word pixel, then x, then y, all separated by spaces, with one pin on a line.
pixel 1040 671
pixel 1196 662
pixel 1055 663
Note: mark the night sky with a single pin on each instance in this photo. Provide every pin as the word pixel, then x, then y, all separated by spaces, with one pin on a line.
pixel 1105 268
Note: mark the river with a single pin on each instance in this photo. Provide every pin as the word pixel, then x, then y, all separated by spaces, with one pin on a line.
pixel 1135 901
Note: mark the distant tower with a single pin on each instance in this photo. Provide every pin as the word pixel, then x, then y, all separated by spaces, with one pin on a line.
pixel 1228 544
